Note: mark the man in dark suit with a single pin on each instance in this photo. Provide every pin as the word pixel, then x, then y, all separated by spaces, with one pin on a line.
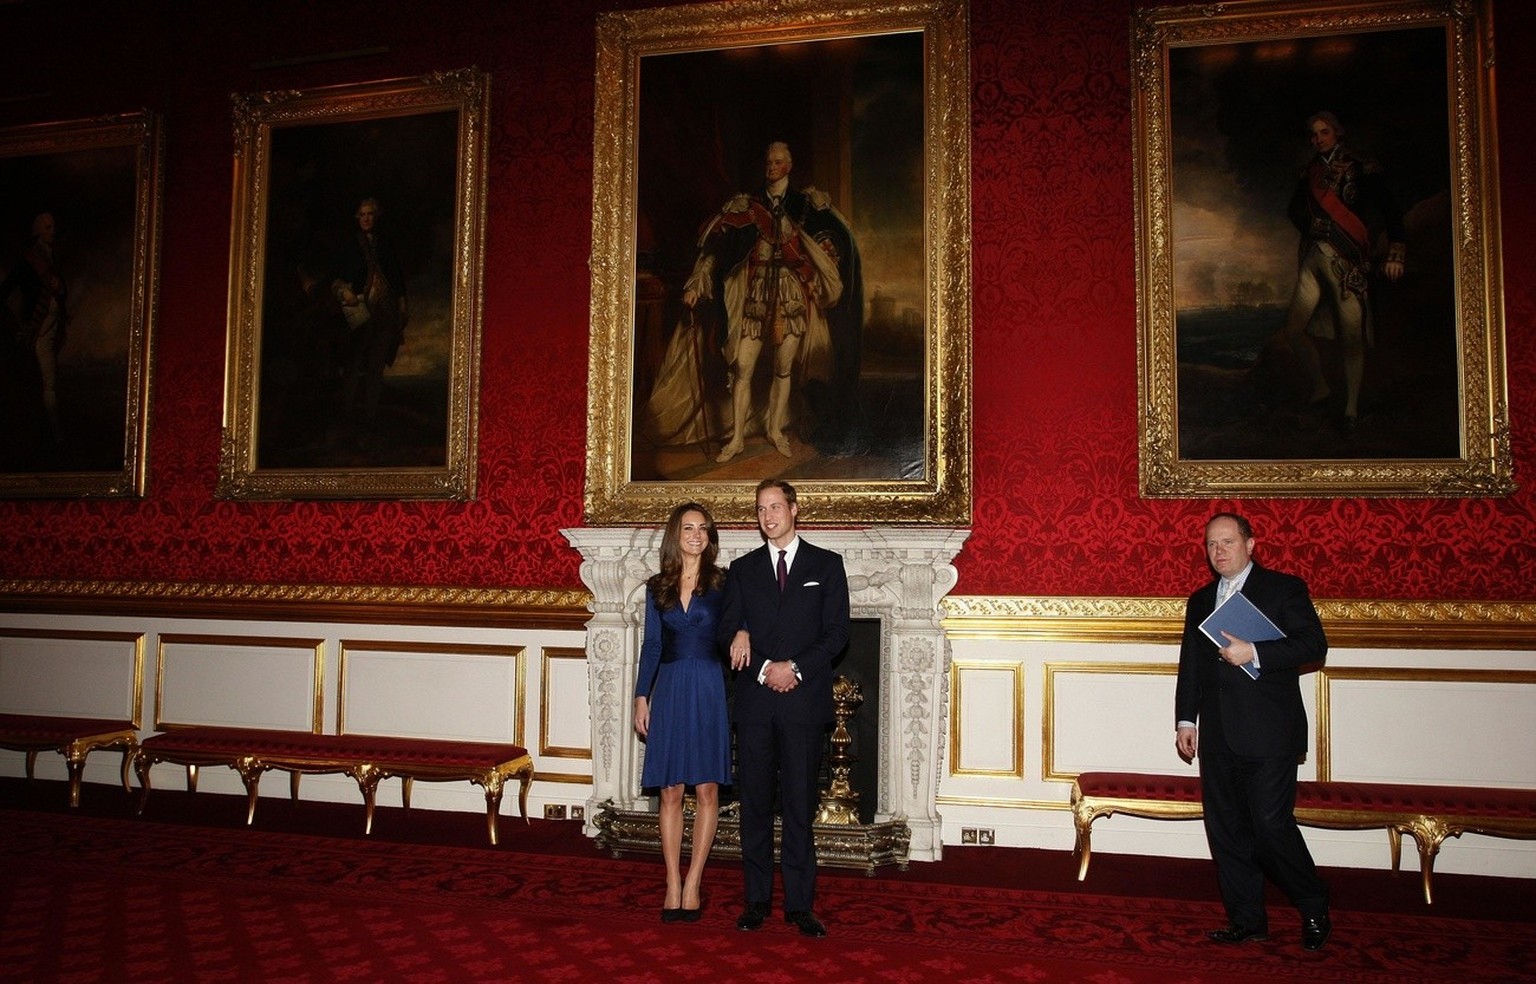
pixel 1251 732
pixel 785 619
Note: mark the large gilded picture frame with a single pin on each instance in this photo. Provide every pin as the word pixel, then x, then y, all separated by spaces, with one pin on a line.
pixel 1319 289
pixel 80 206
pixel 352 367
pixel 822 336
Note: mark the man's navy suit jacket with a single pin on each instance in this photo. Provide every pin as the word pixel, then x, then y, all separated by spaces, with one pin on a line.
pixel 806 623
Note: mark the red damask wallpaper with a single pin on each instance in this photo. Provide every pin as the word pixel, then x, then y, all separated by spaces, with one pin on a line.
pixel 1056 505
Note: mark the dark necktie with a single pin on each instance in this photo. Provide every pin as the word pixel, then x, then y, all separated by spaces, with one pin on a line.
pixel 783 570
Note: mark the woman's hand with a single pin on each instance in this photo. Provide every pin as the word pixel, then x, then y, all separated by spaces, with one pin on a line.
pixel 642 716
pixel 741 650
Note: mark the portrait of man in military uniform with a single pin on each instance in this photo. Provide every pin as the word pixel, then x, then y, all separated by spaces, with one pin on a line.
pixel 1314 277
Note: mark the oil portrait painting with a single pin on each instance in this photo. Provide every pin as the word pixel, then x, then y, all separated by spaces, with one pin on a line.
pixel 1328 289
pixel 789 310
pixel 354 325
pixel 79 214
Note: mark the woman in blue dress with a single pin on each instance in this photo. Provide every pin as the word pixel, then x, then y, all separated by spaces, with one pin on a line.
pixel 680 699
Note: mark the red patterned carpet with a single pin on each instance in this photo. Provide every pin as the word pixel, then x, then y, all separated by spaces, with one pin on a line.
pixel 102 897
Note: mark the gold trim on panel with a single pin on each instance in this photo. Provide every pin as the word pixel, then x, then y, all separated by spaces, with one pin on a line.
pixel 531 608
pixel 317 684
pixel 957 713
pixel 547 655
pixel 1484 466
pixel 1002 802
pixel 349 646
pixel 941 493
pixel 1048 769
pixel 1430 624
pixel 136 713
pixel 570 778
pixel 1063 619
pixel 1349 623
pixel 1378 674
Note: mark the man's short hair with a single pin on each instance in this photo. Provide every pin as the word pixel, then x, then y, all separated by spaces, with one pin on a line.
pixel 780 145
pixel 1243 526
pixel 781 485
pixel 378 210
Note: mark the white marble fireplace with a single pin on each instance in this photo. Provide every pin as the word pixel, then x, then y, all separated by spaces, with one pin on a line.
pixel 896 575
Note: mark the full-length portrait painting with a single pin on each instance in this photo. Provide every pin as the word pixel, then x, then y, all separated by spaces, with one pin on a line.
pixel 781 312
pixel 355 319
pixel 1328 319
pixel 79 220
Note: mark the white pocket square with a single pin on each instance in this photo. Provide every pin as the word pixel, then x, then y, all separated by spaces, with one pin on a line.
pixel 810 584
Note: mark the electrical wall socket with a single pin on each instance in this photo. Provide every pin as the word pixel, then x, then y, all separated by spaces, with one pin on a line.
pixel 578 812
pixel 554 811
pixel 967 835
pixel 984 836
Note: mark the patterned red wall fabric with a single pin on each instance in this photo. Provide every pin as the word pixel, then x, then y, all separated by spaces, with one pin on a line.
pixel 1055 425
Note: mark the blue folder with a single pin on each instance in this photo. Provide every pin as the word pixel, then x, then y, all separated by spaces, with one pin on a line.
pixel 1238 617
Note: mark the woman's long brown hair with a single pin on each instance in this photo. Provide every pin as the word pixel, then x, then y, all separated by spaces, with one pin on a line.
pixel 665 584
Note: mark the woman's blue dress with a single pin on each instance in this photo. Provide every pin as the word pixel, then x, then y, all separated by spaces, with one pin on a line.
pixel 681 671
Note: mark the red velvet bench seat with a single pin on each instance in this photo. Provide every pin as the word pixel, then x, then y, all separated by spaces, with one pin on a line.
pixel 366 758
pixel 72 737
pixel 1429 814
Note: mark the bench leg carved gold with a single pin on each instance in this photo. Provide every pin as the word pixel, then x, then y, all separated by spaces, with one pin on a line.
pixel 1083 816
pixel 250 769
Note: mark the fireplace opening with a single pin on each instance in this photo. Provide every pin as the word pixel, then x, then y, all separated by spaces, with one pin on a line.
pixel 860 662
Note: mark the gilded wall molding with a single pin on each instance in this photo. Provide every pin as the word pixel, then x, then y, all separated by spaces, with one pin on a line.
pixel 353 603
pixel 1350 622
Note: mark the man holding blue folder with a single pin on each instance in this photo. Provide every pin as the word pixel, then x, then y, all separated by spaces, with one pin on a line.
pixel 1239 710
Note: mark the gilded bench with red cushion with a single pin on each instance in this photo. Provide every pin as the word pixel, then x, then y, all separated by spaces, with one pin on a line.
pixel 1429 814
pixel 72 737
pixel 366 758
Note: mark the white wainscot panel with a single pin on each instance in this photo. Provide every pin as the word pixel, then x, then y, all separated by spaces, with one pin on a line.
pixel 1115 717
pixel 1451 732
pixel 989 705
pixel 565 713
pixel 87 674
pixel 461 693
pixel 229 680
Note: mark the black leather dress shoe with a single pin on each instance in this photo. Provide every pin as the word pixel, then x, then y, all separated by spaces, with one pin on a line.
pixel 752 917
pixel 1237 934
pixel 1315 932
pixel 805 921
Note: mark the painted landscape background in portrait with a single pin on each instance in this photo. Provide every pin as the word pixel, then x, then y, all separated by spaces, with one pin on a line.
pixel 1238 113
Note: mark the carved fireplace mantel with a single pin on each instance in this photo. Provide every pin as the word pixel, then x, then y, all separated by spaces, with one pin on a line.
pixel 896 575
